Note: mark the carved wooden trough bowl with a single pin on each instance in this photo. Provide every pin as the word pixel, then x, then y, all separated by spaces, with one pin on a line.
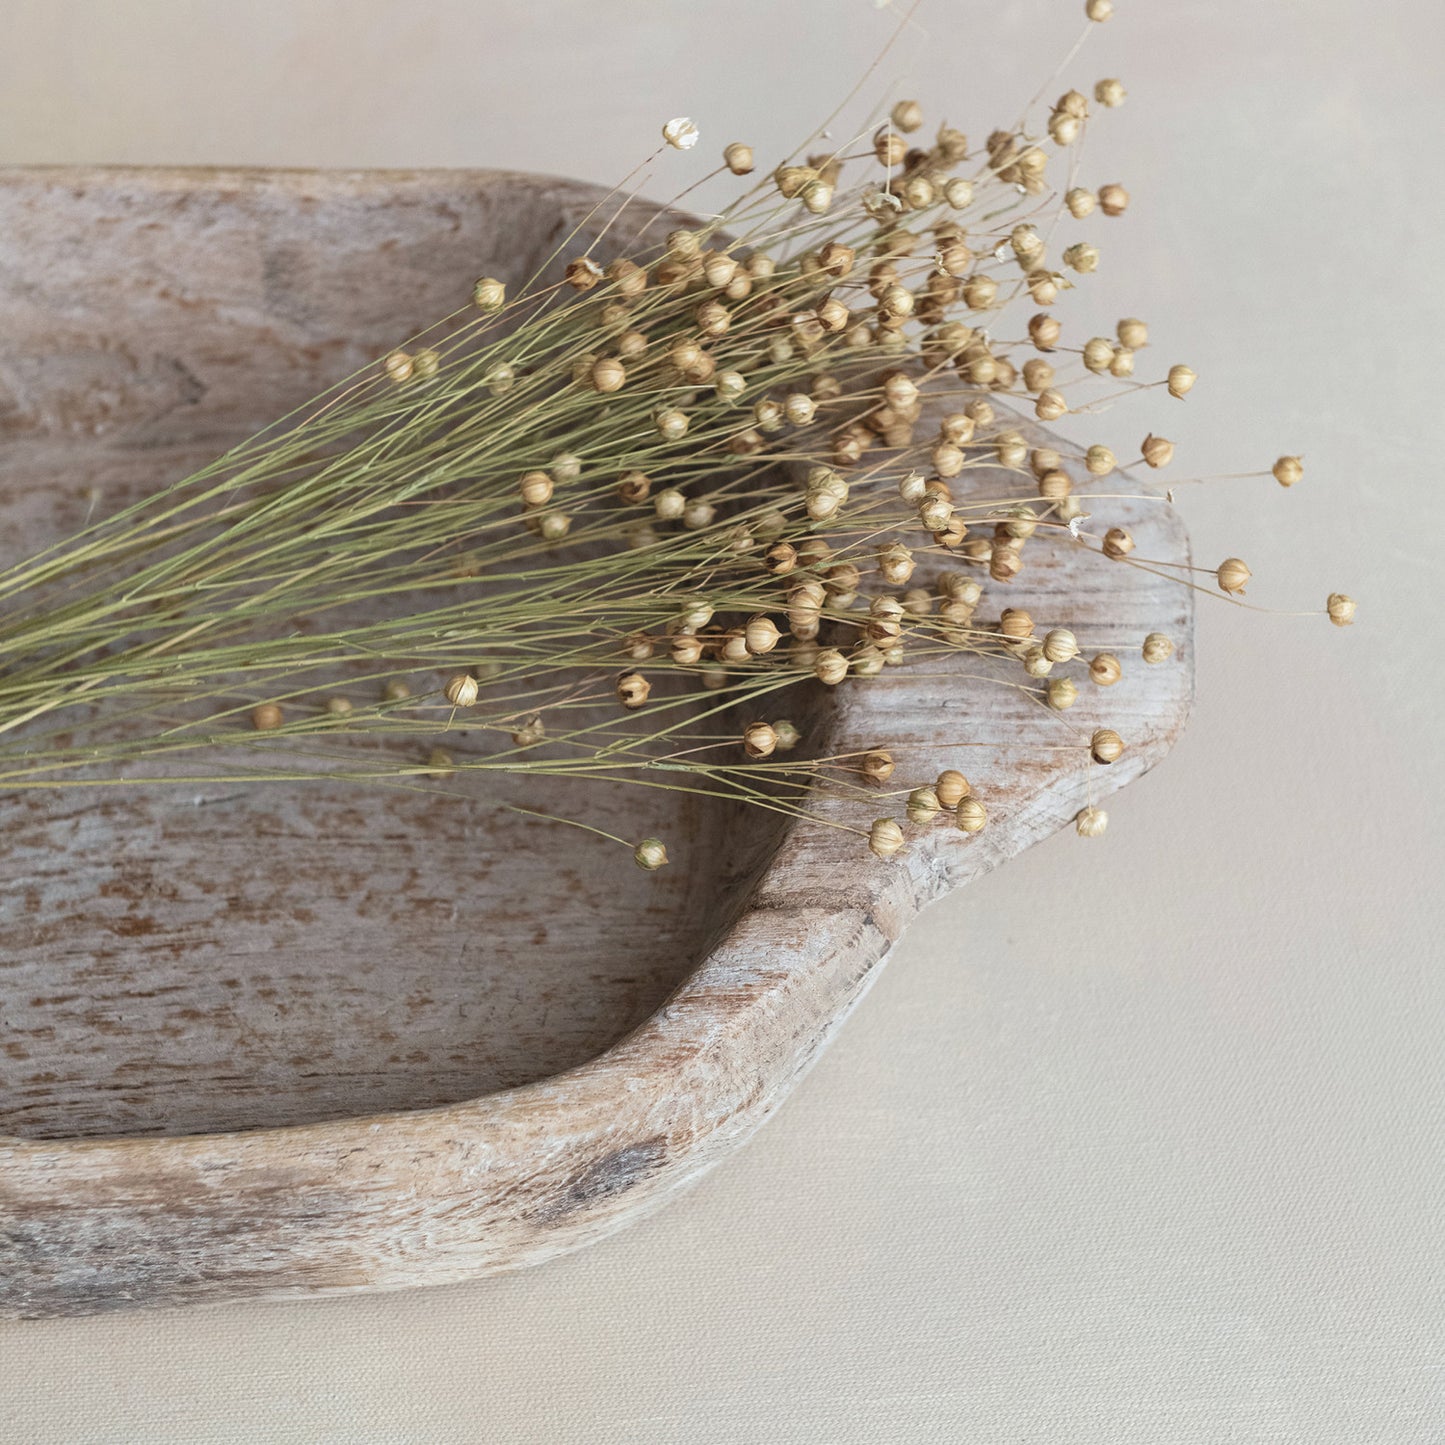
pixel 306 1040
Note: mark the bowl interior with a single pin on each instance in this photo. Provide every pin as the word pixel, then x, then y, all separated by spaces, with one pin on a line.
pixel 219 958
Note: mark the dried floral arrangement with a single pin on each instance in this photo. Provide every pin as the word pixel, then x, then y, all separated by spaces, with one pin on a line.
pixel 608 529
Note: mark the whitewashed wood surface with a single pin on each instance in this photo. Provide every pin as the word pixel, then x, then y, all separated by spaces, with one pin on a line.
pixel 289 1041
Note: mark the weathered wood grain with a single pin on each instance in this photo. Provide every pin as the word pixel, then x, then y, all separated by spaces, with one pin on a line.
pixel 303 1040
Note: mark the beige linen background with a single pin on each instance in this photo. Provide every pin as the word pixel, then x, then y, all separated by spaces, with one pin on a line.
pixel 1137 1140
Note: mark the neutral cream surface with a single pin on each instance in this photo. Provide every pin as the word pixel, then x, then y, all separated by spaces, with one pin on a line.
pixel 1137 1140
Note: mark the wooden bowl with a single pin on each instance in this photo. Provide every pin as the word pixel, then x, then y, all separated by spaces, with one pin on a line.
pixel 306 1040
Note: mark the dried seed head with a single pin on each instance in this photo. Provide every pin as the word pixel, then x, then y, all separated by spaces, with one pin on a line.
pixel 1016 624
pixel 923 806
pixel 1157 647
pixel 1098 353
pixel 799 408
pixel 1117 543
pixel 266 717
pixel 907 115
pixel 878 765
pixel 1232 576
pixel 461 690
pixel 1110 93
pixel 566 467
pixel 1091 822
pixel 1038 374
pixel 1157 451
pixel 399 366
pixel 554 526
pixel 970 815
pixel 958 193
pixel 1181 380
pixel 1113 199
pixel 1288 470
pixel 1082 257
pixel 1132 333
pixel 951 787
pixel 1341 609
pixel 426 363
pixel 1105 669
pixel 1050 405
pixel 1106 746
pixel 633 689
pixel 1062 693
pixel 1060 645
pixel 489 294
pixel 895 564
pixel 669 504
pixel 1099 10
pixel 395 691
pixel 680 133
pixel 885 837
pixel 583 273
pixel 608 374
pixel 638 646
pixel 759 740
pixel 760 635
pixel 738 158
pixel 730 385
pixel 1079 202
pixel 787 735
pixel 671 424
pixel 830 667
pixel 634 487
pixel 1044 331
pixel 650 855
pixel 535 489
pixel 686 649
pixel 1035 663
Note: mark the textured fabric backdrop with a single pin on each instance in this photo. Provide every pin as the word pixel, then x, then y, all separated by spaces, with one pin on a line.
pixel 1135 1141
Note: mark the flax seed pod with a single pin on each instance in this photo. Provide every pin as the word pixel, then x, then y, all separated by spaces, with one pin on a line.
pixel 885 838
pixel 951 787
pixel 1044 331
pixel 760 636
pixel 1157 647
pixel 650 855
pixel 1288 470
pixel 1098 354
pixel 895 564
pixel 266 718
pixel 1232 575
pixel 633 690
pixel 1060 645
pixel 759 740
pixel 1105 669
pixel 1113 199
pixel 1157 451
pixel 634 487
pixel 1050 405
pixel 787 735
pixel 877 766
pixel 535 489
pixel 461 690
pixel 1110 93
pixel 1341 608
pixel 1181 380
pixel 1106 746
pixel 830 667
pixel 1062 693
pixel 1091 822
pixel 608 374
pixel 686 649
pixel 970 815
pixel 489 294
pixel 1117 543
